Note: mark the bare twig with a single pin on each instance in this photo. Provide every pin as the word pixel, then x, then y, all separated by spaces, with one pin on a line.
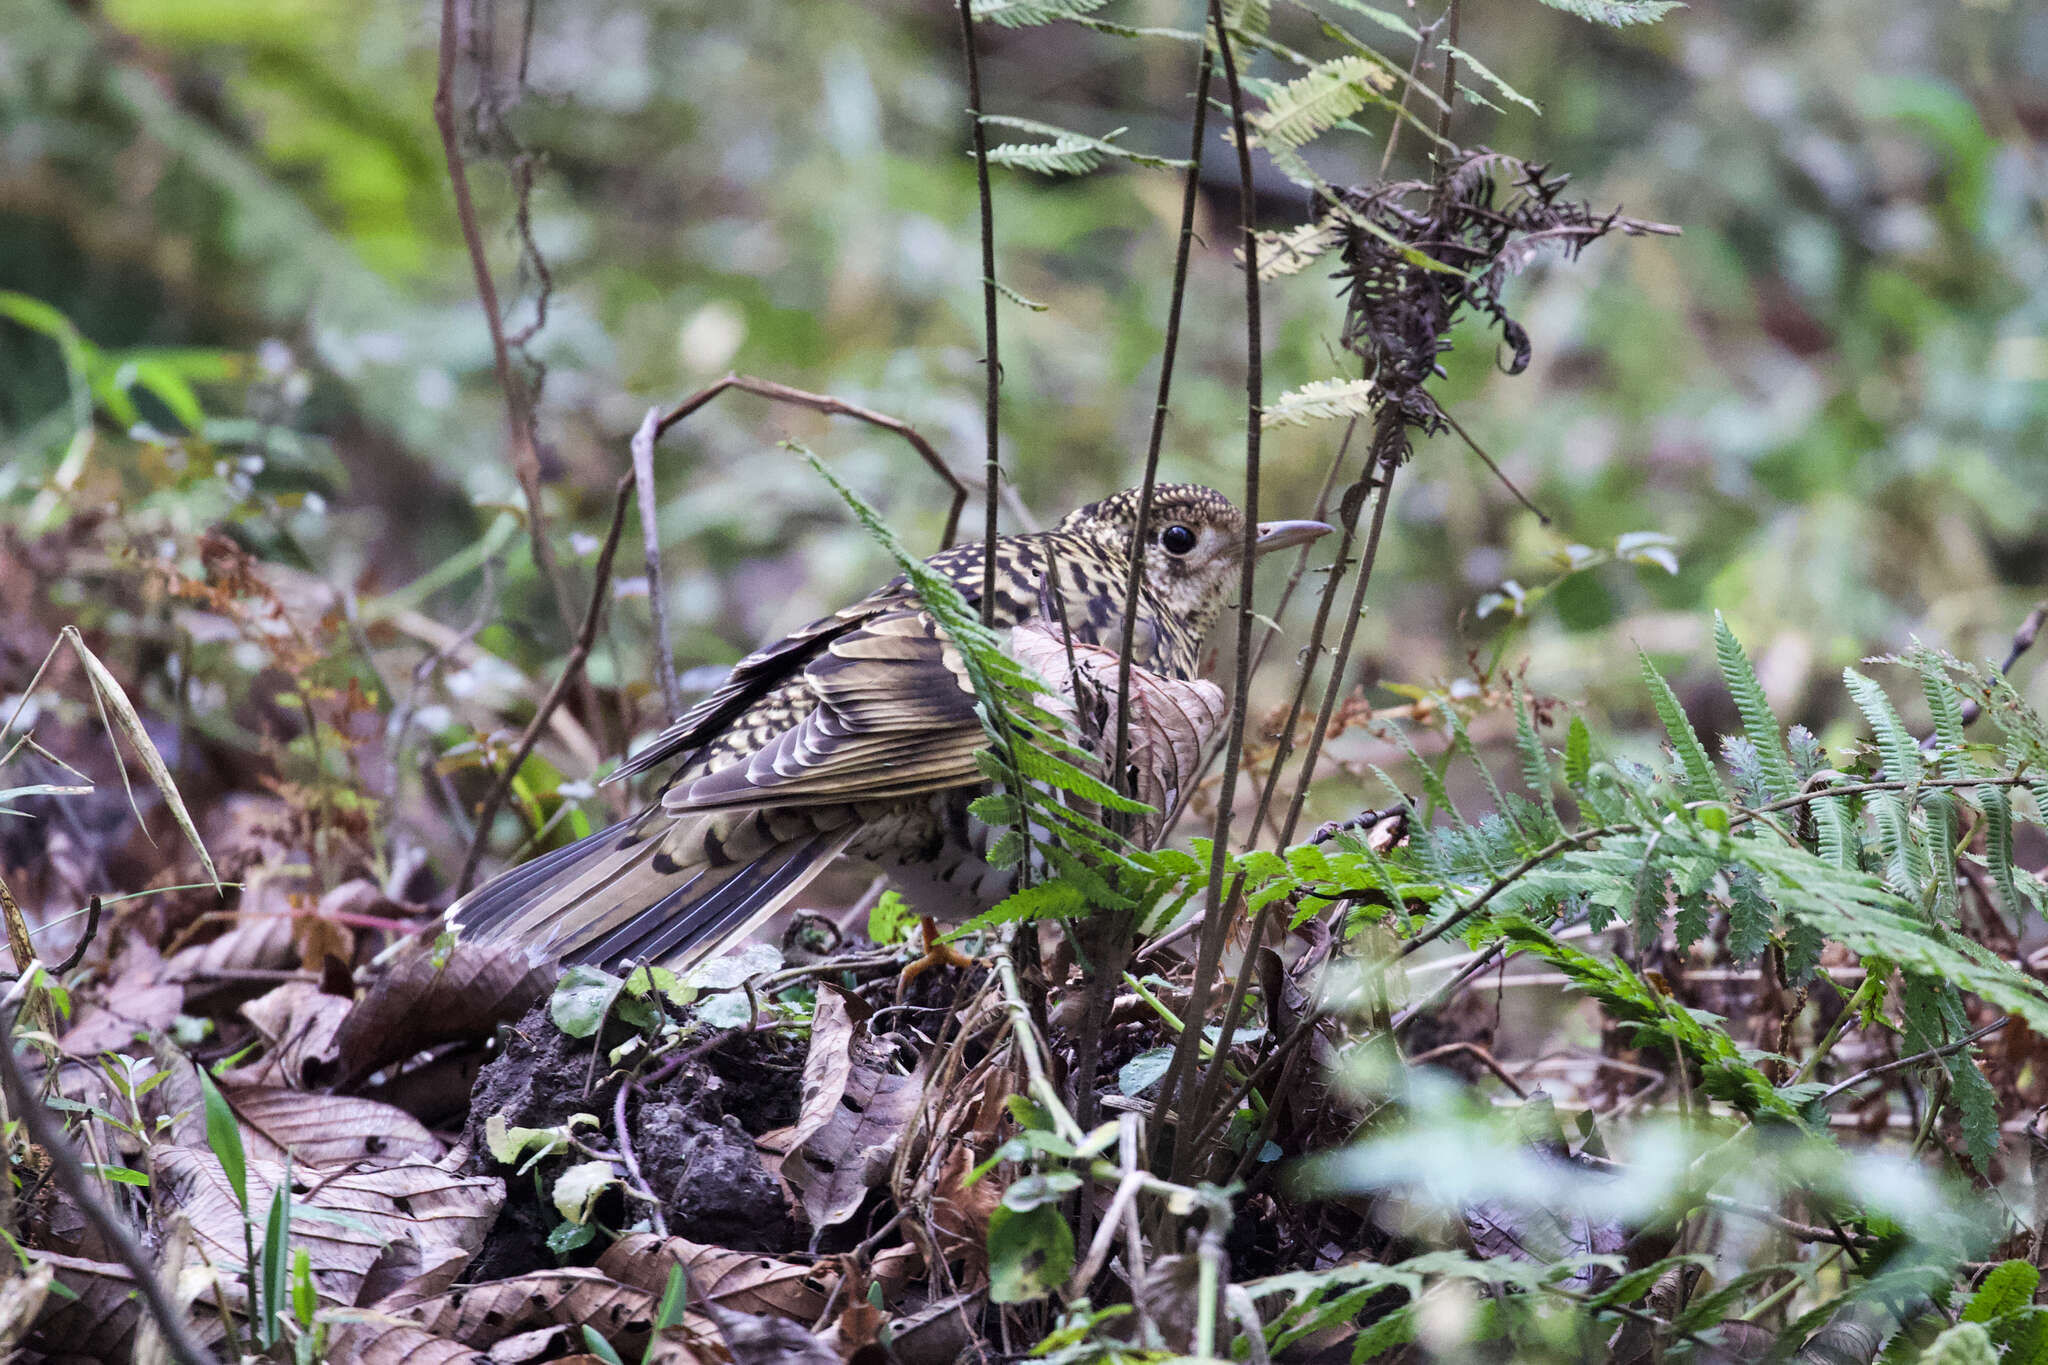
pixel 571 670
pixel 825 403
pixel 1931 1054
pixel 650 542
pixel 991 362
pixel 69 1172
pixel 518 402
pixel 626 1154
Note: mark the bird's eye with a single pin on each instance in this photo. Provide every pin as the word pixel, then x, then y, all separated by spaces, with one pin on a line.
pixel 1177 539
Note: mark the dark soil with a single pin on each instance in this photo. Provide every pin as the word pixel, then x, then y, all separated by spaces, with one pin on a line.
pixel 692 1132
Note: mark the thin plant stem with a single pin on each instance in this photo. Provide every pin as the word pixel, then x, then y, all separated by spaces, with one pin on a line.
pixel 1181 1073
pixel 650 545
pixel 992 361
pixel 518 402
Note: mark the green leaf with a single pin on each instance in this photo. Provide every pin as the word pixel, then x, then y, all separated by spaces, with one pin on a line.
pixel 1578 754
pixel 276 1257
pixel 585 995
pixel 1144 1070
pixel 1759 723
pixel 1966 1343
pixel 1302 109
pixel 1617 13
pixel 1030 1253
pixel 224 1138
pixel 891 918
pixel 1702 780
pixel 564 1238
pixel 2007 1286
pixel 1068 152
pixel 599 1347
pixel 1900 750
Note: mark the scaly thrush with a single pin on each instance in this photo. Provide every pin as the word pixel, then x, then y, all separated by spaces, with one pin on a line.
pixel 858 733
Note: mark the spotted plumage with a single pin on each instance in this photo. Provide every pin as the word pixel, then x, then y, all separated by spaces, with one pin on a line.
pixel 857 734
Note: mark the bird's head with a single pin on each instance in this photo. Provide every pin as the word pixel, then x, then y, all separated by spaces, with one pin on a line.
pixel 1194 544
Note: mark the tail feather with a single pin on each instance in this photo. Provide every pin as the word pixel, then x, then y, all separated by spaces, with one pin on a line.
pixel 610 896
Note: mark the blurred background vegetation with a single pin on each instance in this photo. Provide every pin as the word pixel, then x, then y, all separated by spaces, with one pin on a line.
pixel 1831 392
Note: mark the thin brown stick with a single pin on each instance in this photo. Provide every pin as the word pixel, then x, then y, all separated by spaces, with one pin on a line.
pixel 69 1173
pixel 1180 1076
pixel 518 403
pixel 572 670
pixel 1930 1055
pixel 2022 641
pixel 991 361
pixel 837 407
pixel 650 543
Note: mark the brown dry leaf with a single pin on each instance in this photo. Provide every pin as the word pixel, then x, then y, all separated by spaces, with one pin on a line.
pixel 383 1341
pixel 1171 718
pixel 111 1023
pixel 482 1315
pixel 736 1280
pixel 326 1130
pixel 771 1341
pixel 854 1111
pixel 256 942
pixel 298 1023
pixel 104 1318
pixel 384 1208
pixel 940 1333
pixel 414 1003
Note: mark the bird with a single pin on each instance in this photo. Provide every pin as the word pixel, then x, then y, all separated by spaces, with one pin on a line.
pixel 857 735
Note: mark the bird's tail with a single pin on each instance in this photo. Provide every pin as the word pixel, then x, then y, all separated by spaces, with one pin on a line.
pixel 653 889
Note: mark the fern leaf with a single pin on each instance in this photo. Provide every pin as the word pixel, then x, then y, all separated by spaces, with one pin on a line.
pixel 1759 723
pixel 1461 743
pixel 1031 13
pixel 1749 916
pixel 1486 74
pixel 1324 400
pixel 1943 701
pixel 1832 819
pixel 1997 808
pixel 1702 782
pixel 1292 251
pixel 1068 152
pixel 1578 754
pixel 1300 110
pixel 1900 750
pixel 1617 13
pixel 1536 771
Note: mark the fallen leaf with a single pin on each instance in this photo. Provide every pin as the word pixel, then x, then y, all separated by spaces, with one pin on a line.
pixel 481 1315
pixel 737 1280
pixel 326 1130
pixel 298 1023
pixel 346 1221
pixel 854 1110
pixel 111 1023
pixel 386 1342
pixel 414 1004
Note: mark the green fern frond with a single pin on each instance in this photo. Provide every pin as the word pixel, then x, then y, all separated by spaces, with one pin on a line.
pixel 1617 13
pixel 1900 750
pixel 1507 91
pixel 1068 152
pixel 1759 722
pixel 1302 109
pixel 1536 771
pixel 1702 781
pixel 1997 808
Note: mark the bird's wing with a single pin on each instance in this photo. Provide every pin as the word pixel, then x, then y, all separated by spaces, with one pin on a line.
pixel 781 666
pixel 884 710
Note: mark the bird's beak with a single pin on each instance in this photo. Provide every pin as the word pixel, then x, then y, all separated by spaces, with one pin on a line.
pixel 1279 535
